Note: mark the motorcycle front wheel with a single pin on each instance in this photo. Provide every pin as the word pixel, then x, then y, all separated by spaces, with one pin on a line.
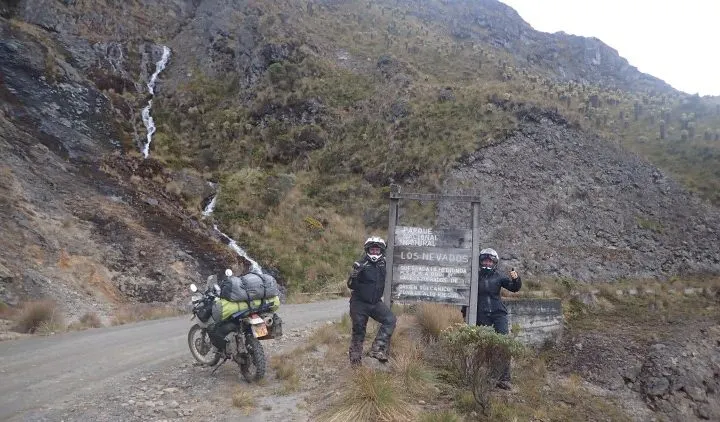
pixel 254 367
pixel 201 347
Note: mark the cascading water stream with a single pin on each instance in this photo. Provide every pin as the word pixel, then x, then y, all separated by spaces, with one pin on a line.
pixel 209 208
pixel 146 117
pixel 150 126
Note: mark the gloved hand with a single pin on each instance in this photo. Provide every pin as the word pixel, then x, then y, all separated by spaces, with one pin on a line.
pixel 513 274
pixel 356 270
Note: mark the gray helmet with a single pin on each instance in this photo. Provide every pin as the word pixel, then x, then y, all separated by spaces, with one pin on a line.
pixel 376 242
pixel 489 253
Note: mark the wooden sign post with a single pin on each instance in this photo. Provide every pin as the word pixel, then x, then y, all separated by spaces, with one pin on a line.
pixel 429 264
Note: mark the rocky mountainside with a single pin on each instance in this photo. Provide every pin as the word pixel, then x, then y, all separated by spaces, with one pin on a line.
pixel 556 201
pixel 80 222
pixel 301 113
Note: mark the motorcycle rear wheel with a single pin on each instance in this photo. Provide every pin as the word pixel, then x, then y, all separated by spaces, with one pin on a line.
pixel 254 367
pixel 201 347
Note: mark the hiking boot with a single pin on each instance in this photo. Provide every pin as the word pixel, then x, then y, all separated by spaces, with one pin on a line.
pixel 505 385
pixel 379 355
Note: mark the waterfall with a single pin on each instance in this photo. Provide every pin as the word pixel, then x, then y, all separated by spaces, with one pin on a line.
pixel 150 126
pixel 254 266
pixel 146 117
pixel 207 212
pixel 210 207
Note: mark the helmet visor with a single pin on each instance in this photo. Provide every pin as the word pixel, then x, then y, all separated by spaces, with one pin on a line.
pixel 486 261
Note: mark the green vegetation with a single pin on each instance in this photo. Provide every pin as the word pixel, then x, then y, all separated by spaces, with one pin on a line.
pixel 366 93
pixel 441 377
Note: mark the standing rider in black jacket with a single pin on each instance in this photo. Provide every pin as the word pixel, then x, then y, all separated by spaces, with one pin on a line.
pixel 367 282
pixel 490 309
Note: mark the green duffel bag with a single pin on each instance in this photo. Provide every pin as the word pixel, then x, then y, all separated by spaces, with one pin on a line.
pixel 224 309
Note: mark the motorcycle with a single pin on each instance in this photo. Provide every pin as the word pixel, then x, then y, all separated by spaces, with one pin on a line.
pixel 243 343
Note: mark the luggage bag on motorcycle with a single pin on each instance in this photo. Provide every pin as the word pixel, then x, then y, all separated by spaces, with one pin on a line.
pixel 233 289
pixel 224 309
pixel 250 286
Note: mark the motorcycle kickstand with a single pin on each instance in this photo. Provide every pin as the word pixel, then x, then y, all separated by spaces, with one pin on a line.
pixel 219 365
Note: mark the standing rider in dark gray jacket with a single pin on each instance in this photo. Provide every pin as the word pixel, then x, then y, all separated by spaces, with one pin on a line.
pixel 490 309
pixel 367 283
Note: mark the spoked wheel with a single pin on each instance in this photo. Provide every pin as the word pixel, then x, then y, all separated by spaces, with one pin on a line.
pixel 201 347
pixel 253 369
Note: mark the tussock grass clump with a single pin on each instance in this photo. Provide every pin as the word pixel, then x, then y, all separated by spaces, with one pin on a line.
pixel 408 365
pixel 286 371
pixel 371 396
pixel 345 324
pixel 143 312
pixel 283 367
pixel 434 318
pixel 327 334
pixel 88 320
pixel 243 399
pixel 6 311
pixel 91 319
pixel 41 317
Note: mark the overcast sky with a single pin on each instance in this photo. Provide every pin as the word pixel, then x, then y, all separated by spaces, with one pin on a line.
pixel 677 41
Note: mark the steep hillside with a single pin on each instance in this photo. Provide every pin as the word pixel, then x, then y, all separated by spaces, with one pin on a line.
pixel 302 113
pixel 557 201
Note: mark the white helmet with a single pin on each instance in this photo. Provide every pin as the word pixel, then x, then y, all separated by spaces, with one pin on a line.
pixel 377 242
pixel 228 273
pixel 489 253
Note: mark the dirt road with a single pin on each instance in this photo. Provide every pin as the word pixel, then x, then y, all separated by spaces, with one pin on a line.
pixel 41 375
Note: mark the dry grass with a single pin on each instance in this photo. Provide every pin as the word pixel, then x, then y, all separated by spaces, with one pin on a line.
pixel 142 312
pixel 434 318
pixel 327 334
pixel 398 390
pixel 91 319
pixel 286 371
pixel 408 365
pixel 6 311
pixel 371 396
pixel 568 401
pixel 41 317
pixel 243 399
pixel 284 368
pixel 88 320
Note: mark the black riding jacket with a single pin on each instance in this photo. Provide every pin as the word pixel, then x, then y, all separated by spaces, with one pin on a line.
pixel 369 284
pixel 489 285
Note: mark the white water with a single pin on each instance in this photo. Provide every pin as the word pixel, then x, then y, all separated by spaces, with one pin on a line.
pixel 150 126
pixel 254 266
pixel 207 212
pixel 210 207
pixel 146 117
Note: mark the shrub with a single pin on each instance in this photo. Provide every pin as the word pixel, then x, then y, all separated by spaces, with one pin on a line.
pixel 477 356
pixel 40 316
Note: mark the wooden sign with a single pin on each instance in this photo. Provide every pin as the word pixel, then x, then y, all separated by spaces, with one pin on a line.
pixel 437 238
pixel 432 265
